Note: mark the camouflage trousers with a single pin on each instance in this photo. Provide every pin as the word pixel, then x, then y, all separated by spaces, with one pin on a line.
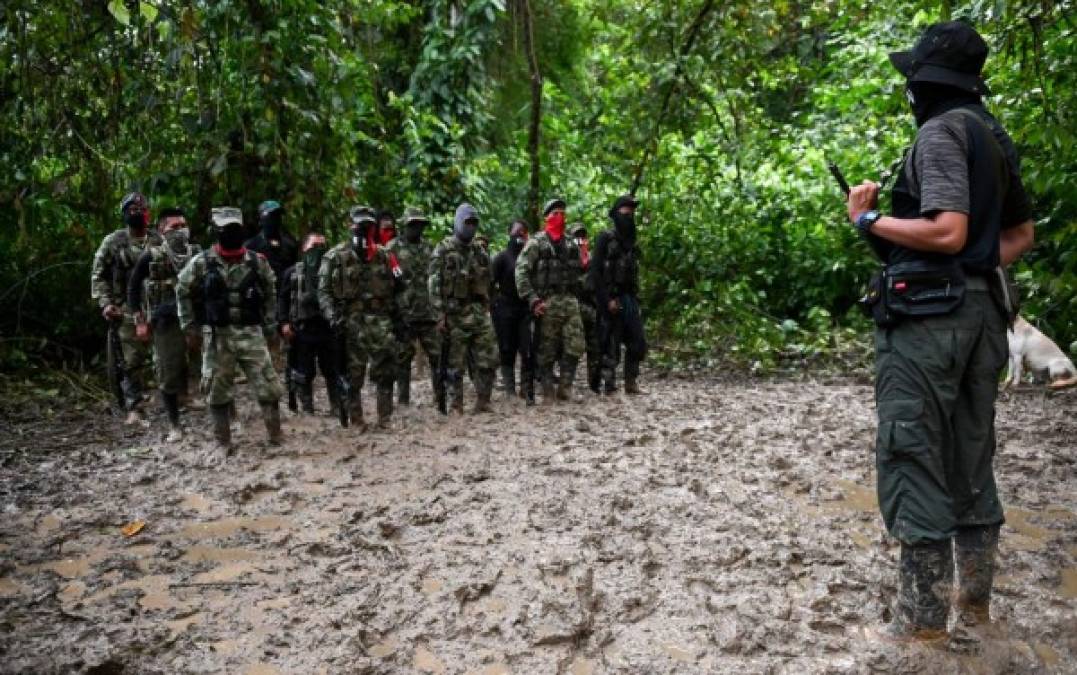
pixel 471 336
pixel 136 360
pixel 371 340
pixel 170 357
pixel 426 335
pixel 560 331
pixel 230 347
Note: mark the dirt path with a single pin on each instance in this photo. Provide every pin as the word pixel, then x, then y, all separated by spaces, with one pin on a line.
pixel 705 527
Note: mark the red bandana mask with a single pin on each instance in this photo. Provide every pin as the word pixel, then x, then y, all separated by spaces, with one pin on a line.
pixel 585 253
pixel 555 226
pixel 230 255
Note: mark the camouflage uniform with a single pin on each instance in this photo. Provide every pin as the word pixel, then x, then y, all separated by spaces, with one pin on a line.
pixel 360 297
pixel 112 265
pixel 152 291
pixel 235 301
pixel 550 272
pixel 420 322
pixel 459 287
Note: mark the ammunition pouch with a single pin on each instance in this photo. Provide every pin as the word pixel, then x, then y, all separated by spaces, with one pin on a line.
pixel 913 289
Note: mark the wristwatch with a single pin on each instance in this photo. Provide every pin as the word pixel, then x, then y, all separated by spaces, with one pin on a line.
pixel 866 220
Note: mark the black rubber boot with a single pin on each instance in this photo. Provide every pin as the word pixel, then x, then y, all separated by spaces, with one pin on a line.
pixel 171 405
pixel 484 387
pixel 454 389
pixel 385 405
pixel 549 392
pixel 565 391
pixel 975 549
pixel 403 386
pixel 632 386
pixel 306 397
pixel 271 417
pixel 508 380
pixel 927 579
pixel 222 430
pixel 594 377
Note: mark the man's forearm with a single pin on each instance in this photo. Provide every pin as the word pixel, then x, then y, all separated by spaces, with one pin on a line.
pixel 1015 241
pixel 945 233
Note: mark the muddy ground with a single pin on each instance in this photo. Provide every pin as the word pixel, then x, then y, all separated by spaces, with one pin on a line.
pixel 706 527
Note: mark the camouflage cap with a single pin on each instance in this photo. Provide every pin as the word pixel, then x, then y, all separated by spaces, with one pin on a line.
pixel 414 215
pixel 361 215
pixel 226 215
pixel 578 230
pixel 132 199
pixel 555 203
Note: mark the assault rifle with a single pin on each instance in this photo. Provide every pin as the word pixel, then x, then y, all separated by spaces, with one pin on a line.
pixel 441 388
pixel 117 367
pixel 344 383
pixel 291 361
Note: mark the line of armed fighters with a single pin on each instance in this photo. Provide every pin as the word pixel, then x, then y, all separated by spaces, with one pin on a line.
pixel 362 306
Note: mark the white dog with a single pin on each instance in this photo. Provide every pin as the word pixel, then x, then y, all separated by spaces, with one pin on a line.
pixel 1028 346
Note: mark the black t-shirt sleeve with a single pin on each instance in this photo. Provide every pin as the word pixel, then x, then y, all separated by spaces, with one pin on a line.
pixel 284 296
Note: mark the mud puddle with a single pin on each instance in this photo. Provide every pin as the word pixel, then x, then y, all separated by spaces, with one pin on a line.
pixel 706 527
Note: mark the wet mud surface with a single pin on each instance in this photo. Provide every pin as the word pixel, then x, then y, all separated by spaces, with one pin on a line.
pixel 707 526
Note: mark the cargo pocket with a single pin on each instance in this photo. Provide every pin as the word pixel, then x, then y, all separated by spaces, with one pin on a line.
pixel 901 433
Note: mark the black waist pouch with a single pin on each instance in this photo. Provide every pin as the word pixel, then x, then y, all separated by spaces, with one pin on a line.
pixel 913 289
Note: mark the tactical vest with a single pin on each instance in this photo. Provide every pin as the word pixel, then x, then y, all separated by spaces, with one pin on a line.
pixel 159 287
pixel 466 275
pixel 363 283
pixel 304 296
pixel 414 259
pixel 620 271
pixel 239 306
pixel 125 254
pixel 557 269
pixel 988 185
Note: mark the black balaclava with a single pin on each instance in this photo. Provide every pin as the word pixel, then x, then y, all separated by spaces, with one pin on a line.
pixel 625 225
pixel 312 262
pixel 517 238
pixel 928 99
pixel 413 231
pixel 271 224
pixel 230 237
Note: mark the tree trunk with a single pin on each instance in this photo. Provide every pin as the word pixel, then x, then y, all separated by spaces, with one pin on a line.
pixel 536 113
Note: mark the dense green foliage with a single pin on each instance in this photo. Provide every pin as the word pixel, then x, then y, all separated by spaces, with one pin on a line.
pixel 722 111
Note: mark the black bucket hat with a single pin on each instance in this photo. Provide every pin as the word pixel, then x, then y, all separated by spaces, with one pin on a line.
pixel 950 53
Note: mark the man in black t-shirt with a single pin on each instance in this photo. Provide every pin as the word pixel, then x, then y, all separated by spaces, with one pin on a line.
pixel 960 214
pixel 512 318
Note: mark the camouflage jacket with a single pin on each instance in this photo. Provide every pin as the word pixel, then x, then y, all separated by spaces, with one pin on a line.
pixel 349 283
pixel 415 262
pixel 212 291
pixel 459 276
pixel 113 263
pixel 545 269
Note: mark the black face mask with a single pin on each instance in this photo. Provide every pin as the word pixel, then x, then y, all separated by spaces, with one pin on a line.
pixel 625 224
pixel 231 237
pixel 358 237
pixel 271 224
pixel 516 244
pixel 413 233
pixel 135 221
pixel 928 99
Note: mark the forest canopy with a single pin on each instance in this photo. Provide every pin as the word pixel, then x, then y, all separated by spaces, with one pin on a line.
pixel 720 116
